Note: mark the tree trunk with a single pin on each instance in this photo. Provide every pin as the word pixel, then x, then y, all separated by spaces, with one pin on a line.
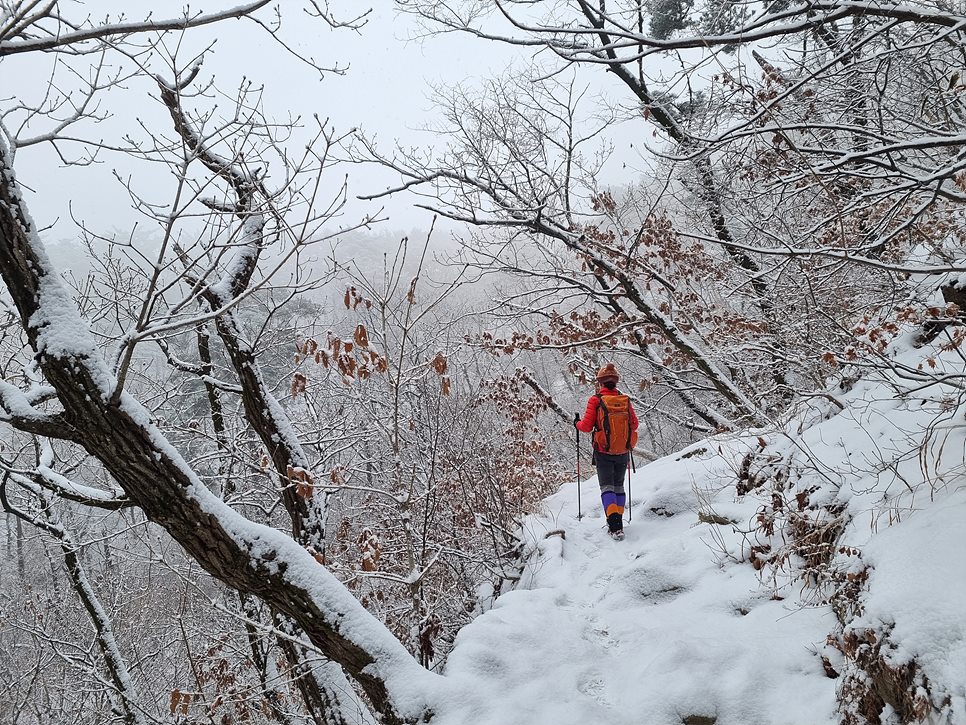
pixel 253 559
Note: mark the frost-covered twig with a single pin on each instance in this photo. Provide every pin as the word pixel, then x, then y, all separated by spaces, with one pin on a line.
pixel 127 695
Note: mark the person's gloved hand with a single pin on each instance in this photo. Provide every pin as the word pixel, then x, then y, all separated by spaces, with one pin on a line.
pixel 576 419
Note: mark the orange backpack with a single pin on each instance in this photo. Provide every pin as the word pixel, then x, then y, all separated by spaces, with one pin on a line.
pixel 612 433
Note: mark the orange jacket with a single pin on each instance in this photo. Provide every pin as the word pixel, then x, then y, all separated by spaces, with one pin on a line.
pixel 587 423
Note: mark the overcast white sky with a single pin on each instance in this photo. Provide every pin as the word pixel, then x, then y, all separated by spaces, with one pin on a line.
pixel 383 92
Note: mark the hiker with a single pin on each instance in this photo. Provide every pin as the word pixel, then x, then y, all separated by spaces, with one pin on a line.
pixel 611 418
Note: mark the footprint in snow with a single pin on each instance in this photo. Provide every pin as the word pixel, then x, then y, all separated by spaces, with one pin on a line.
pixel 593 687
pixel 653 585
pixel 597 634
pixel 591 541
pixel 603 581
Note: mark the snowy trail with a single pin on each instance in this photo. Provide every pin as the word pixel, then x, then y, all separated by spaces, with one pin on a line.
pixel 661 628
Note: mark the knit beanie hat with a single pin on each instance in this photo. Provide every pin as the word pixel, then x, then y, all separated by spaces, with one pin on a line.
pixel 608 372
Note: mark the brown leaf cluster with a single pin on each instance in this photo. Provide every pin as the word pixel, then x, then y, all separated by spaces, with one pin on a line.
pixel 303 480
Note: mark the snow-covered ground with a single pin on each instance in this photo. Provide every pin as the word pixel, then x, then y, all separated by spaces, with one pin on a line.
pixel 654 629
pixel 675 625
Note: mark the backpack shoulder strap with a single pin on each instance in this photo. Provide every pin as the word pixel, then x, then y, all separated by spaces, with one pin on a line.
pixel 601 410
pixel 603 415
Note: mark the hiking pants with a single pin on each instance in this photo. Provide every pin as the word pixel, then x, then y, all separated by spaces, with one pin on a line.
pixel 611 471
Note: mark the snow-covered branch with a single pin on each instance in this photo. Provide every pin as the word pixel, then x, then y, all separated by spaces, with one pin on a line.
pixel 14 40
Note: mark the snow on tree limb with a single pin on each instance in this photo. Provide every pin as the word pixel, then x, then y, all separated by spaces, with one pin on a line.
pixel 107 32
pixel 245 556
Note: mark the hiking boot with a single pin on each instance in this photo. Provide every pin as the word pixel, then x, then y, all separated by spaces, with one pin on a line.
pixel 617 535
pixel 614 523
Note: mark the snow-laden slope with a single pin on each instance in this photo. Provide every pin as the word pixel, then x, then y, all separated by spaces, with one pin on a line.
pixel 655 629
pixel 712 618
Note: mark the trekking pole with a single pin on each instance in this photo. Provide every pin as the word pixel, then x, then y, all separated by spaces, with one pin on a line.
pixel 577 436
pixel 630 467
pixel 630 517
